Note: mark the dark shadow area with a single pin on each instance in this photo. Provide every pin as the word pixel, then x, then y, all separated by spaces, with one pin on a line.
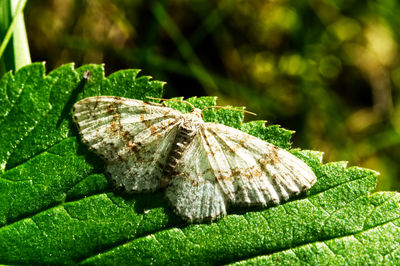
pixel 73 98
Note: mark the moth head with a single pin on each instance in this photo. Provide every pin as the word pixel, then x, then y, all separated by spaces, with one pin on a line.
pixel 197 112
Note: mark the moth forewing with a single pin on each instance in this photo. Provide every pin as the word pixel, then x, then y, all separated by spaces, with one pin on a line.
pixel 133 137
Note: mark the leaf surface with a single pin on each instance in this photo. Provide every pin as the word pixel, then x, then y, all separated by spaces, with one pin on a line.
pixel 57 206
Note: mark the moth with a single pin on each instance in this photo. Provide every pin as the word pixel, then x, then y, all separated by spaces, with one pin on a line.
pixel 203 166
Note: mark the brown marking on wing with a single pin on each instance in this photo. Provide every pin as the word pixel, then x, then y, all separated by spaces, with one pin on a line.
pixel 248 173
pixel 193 181
pixel 226 175
pixel 133 145
pixel 262 162
pixel 116 116
pixel 144 120
pixel 134 148
pixel 254 172
pixel 270 158
pixel 236 147
pixel 113 128
pixel 96 103
pixel 153 130
pixel 110 109
pixel 274 156
pixel 126 136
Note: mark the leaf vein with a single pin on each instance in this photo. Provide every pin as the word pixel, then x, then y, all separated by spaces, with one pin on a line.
pixel 318 241
pixel 373 210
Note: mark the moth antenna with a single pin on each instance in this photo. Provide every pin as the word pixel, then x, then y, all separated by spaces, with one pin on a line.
pixel 163 99
pixel 229 108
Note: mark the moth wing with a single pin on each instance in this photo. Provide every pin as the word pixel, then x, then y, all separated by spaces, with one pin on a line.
pixel 132 136
pixel 194 192
pixel 251 171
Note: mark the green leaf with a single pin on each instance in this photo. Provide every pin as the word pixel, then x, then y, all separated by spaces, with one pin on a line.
pixel 57 206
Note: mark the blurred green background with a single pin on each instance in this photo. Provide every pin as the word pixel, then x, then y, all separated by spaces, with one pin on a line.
pixel 329 70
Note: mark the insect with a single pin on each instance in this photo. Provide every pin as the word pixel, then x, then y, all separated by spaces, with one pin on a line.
pixel 203 166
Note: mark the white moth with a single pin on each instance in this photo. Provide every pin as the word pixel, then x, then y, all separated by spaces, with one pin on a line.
pixel 203 166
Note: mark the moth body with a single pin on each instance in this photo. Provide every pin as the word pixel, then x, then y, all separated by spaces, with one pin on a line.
pixel 187 129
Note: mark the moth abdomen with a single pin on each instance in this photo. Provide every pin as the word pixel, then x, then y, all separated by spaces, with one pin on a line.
pixel 182 140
